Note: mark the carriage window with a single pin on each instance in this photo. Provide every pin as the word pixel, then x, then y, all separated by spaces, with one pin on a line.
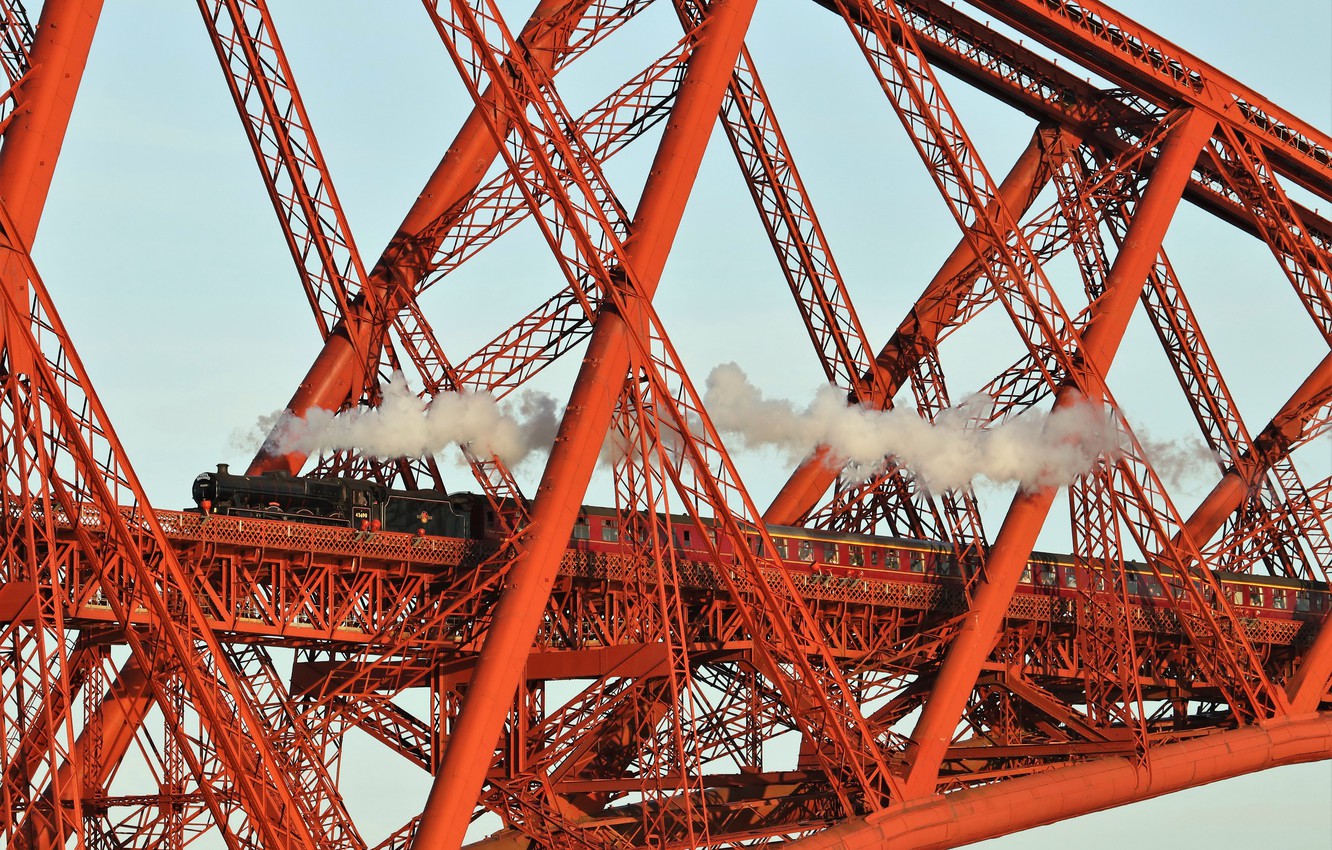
pixel 830 553
pixel 1048 575
pixel 806 550
pixel 1255 596
pixel 581 531
pixel 917 562
pixel 1070 577
pixel 610 531
pixel 856 555
pixel 874 557
pixel 1302 600
pixel 1279 599
pixel 945 566
pixel 1026 574
pixel 1239 596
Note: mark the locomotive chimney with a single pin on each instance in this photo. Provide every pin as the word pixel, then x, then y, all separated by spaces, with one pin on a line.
pixel 222 469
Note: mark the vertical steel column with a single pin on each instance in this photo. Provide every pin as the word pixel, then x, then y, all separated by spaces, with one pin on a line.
pixel 587 417
pixel 338 369
pixel 933 311
pixel 1017 537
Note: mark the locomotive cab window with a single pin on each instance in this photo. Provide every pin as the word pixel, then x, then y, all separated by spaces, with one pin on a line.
pixel 581 531
pixel 610 531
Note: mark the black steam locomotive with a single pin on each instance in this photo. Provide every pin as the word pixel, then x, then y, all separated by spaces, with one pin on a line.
pixel 362 505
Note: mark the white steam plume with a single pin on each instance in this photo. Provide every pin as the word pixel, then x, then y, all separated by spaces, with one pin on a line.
pixel 1035 450
pixel 405 426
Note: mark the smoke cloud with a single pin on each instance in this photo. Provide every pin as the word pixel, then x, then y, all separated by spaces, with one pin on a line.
pixel 1034 450
pixel 405 426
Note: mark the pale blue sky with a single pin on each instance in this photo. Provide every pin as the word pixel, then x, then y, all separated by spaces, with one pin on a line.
pixel 163 256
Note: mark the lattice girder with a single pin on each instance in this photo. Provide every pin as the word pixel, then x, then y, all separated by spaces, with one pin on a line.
pixel 637 698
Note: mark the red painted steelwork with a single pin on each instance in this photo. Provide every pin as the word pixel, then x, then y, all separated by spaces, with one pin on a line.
pixel 1017 537
pixel 672 670
pixel 33 139
pixel 586 420
pixel 338 373
pixel 36 130
pixel 973 815
pixel 933 312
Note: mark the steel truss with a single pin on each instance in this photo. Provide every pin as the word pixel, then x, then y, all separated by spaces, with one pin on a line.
pixel 174 677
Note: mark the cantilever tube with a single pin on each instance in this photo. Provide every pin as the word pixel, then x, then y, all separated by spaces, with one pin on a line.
pixel 921 328
pixel 122 710
pixel 587 417
pixel 1026 515
pixel 28 158
pixel 339 369
pixel 36 133
pixel 1286 426
pixel 988 811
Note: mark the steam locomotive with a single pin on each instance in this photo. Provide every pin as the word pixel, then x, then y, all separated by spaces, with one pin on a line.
pixel 363 505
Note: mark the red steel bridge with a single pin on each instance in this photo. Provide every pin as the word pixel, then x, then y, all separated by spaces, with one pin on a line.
pixel 859 662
